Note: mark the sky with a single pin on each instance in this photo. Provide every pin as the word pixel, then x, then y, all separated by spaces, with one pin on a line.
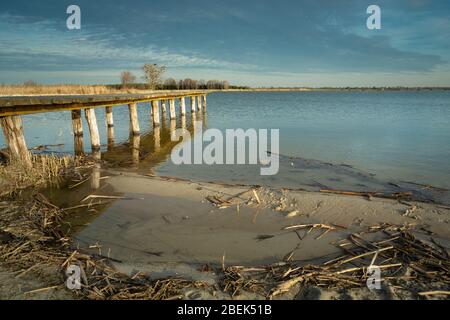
pixel 257 43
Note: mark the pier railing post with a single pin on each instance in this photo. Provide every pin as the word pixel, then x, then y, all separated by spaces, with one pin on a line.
pixel 155 113
pixel 172 109
pixel 93 128
pixel 13 131
pixel 77 125
pixel 182 106
pixel 134 121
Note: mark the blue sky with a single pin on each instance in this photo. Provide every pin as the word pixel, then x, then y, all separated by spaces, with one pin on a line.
pixel 252 42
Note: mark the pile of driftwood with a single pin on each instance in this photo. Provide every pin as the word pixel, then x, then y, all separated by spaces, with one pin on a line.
pixel 405 262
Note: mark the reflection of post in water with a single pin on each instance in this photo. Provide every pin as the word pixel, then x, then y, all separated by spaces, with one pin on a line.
pixel 200 117
pixel 204 119
pixel 172 126
pixel 135 145
pixel 164 124
pixel 77 132
pixel 183 122
pixel 157 138
pixel 95 177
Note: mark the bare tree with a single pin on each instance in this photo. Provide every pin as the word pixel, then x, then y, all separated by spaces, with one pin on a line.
pixel 127 77
pixel 153 74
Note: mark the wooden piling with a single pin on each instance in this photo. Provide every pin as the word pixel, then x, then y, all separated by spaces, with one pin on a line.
pixel 182 106
pixel 77 125
pixel 93 128
pixel 193 109
pixel 134 121
pixel 172 114
pixel 163 108
pixel 155 113
pixel 110 126
pixel 199 103
pixel 15 139
pixel 204 103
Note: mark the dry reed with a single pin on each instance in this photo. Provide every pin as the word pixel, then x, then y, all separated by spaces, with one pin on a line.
pixel 46 170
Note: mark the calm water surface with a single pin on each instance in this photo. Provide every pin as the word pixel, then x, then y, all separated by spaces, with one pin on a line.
pixel 396 135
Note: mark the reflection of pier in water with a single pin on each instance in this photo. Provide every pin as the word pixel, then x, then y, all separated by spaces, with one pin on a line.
pixel 153 147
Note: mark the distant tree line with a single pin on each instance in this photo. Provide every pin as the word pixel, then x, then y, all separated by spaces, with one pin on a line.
pixel 184 84
pixel 153 75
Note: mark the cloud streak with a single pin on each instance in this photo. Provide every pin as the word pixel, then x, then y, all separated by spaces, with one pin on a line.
pixel 257 38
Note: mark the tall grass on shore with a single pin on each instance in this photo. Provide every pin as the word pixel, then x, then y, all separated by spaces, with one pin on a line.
pixel 34 89
pixel 46 170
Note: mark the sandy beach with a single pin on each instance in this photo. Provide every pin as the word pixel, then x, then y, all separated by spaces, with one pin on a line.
pixel 164 227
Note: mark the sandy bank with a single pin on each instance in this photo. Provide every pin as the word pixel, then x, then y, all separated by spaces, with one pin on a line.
pixel 226 241
pixel 168 227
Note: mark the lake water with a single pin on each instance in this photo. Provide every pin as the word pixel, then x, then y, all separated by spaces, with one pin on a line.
pixel 401 136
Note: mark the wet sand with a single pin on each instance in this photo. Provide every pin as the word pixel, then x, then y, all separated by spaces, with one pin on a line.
pixel 168 227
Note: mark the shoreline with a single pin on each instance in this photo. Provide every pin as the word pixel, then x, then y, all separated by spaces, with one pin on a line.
pixel 212 205
pixel 300 89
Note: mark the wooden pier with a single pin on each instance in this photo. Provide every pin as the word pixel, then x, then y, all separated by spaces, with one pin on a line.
pixel 12 108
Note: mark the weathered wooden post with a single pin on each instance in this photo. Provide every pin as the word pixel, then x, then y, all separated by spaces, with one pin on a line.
pixel 182 106
pixel 204 103
pixel 77 125
pixel 93 128
pixel 134 121
pixel 155 113
pixel 13 131
pixel 110 126
pixel 193 109
pixel 172 114
pixel 163 108
pixel 199 103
